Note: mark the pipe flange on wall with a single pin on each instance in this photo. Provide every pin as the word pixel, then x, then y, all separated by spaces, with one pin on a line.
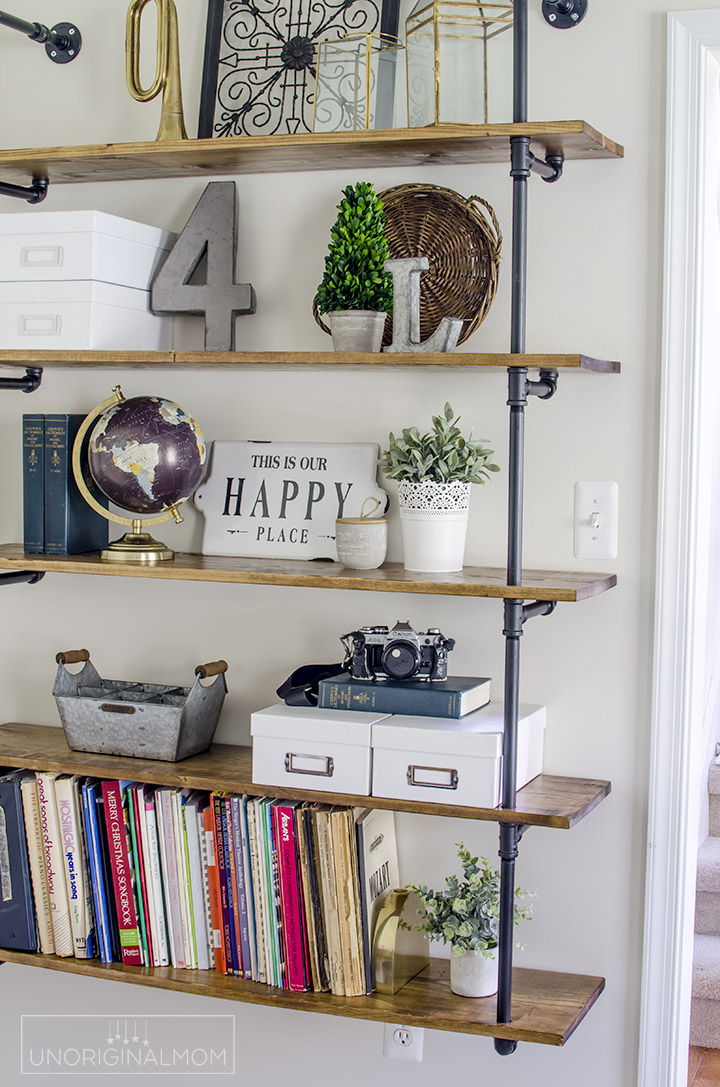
pixel 564 14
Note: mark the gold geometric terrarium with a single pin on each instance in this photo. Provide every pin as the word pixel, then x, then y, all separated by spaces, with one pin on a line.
pixel 359 80
pixel 447 60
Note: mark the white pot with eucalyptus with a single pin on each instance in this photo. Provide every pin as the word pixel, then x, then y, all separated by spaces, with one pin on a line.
pixel 466 915
pixel 434 472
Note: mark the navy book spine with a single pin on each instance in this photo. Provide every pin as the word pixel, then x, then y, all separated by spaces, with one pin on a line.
pixel 33 483
pixel 416 699
pixel 71 525
pixel 17 911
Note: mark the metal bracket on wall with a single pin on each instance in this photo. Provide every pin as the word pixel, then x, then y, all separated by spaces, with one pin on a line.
pixel 21 577
pixel 523 162
pixel 27 384
pixel 34 194
pixel 564 14
pixel 538 607
pixel 545 387
pixel 62 42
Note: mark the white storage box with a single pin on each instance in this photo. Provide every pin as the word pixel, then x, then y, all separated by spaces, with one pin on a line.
pixel 80 314
pixel 66 245
pixel 453 761
pixel 302 747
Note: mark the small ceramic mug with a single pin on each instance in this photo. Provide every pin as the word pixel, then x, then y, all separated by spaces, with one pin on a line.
pixel 361 541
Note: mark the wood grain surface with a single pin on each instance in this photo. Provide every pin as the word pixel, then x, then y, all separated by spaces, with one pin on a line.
pixel 480 581
pixel 297 360
pixel 547 801
pixel 440 145
pixel 546 1007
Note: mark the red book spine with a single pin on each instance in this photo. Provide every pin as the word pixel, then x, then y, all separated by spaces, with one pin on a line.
pixel 217 802
pixel 133 799
pixel 122 874
pixel 214 888
pixel 291 899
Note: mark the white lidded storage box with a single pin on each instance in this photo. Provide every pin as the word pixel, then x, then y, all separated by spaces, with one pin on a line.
pixel 453 761
pixel 80 314
pixel 68 245
pixel 302 747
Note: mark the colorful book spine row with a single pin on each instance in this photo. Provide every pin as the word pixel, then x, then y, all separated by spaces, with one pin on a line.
pixel 276 891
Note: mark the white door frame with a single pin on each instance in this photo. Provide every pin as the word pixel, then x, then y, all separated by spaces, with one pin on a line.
pixel 679 651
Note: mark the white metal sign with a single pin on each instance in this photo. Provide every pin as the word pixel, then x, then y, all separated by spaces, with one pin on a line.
pixel 281 499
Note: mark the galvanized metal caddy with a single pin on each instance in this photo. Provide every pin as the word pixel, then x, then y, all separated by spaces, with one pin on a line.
pixel 144 720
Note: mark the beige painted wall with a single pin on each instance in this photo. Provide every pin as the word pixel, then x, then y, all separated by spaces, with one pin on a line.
pixel 595 271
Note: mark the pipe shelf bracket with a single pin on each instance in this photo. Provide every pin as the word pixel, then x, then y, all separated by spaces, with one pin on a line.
pixel 538 607
pixel 34 194
pixel 27 384
pixel 20 577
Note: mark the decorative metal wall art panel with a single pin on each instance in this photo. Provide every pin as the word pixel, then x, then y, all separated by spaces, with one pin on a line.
pixel 261 60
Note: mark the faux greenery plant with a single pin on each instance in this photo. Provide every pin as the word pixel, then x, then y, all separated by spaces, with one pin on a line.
pixel 467 913
pixel 442 455
pixel 354 274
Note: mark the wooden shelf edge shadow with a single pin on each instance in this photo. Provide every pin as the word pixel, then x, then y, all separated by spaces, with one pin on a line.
pixel 547 801
pixel 547 1007
pixel 436 145
pixel 472 581
pixel 268 360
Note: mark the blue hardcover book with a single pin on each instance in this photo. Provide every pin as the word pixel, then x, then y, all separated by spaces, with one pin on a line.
pixel 17 911
pixel 451 697
pixel 34 483
pixel 71 525
pixel 95 859
pixel 106 872
pixel 235 803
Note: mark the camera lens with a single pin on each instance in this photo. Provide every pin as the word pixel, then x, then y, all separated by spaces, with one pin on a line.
pixel 401 660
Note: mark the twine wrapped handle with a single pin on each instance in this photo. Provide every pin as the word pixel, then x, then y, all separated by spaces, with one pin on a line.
pixel 215 668
pixel 72 656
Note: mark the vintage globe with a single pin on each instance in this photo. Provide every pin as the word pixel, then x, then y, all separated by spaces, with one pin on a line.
pixel 146 454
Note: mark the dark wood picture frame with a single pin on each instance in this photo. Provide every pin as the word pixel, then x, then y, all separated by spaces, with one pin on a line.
pixel 295 53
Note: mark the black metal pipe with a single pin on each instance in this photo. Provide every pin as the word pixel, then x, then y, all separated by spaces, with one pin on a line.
pixel 26 384
pixel 520 65
pixel 34 194
pixel 29 577
pixel 37 32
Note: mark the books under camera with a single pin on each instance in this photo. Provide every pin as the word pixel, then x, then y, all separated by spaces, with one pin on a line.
pixel 33 441
pixel 453 697
pixel 71 526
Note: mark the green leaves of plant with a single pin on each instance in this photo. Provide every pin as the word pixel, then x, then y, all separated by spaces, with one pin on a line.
pixel 467 913
pixel 442 455
pixel 355 277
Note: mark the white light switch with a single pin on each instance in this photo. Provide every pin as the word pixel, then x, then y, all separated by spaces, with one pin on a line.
pixel 596 520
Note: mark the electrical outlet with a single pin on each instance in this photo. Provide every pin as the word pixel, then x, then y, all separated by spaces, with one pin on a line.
pixel 403 1043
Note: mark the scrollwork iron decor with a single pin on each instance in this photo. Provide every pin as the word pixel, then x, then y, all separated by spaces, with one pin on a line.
pixel 261 56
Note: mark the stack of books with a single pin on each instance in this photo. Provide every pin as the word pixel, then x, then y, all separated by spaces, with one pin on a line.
pixel 276 891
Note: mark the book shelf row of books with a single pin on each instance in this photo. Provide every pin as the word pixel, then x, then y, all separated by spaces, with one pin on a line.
pixel 275 891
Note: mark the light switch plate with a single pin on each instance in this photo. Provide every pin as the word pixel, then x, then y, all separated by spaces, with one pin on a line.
pixel 596 520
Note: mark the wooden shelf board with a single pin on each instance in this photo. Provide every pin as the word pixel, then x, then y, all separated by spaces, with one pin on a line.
pixel 546 1007
pixel 441 145
pixel 298 360
pixel 478 581
pixel 547 801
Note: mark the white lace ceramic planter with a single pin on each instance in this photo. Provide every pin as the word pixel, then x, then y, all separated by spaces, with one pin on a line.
pixel 433 517
pixel 472 974
pixel 356 329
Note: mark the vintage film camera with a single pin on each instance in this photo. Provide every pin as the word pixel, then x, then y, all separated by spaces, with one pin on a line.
pixel 378 653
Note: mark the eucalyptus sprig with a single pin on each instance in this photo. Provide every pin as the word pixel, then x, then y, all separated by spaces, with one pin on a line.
pixel 467 913
pixel 442 455
pixel 355 276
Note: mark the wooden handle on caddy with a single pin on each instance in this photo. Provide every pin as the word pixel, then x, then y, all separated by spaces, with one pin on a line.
pixel 212 669
pixel 73 656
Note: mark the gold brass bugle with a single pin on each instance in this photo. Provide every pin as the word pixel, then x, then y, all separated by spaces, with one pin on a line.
pixel 167 71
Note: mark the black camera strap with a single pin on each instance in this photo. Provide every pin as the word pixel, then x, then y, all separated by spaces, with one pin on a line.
pixel 301 688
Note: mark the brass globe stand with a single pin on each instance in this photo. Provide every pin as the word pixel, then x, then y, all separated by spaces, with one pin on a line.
pixel 136 545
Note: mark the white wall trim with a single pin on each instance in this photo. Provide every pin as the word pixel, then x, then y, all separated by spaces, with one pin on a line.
pixel 677 697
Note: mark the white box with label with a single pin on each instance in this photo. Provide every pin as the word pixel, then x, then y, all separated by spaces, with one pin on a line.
pixel 301 747
pixel 80 314
pixel 66 245
pixel 453 761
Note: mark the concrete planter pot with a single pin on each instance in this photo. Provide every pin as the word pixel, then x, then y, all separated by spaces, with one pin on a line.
pixel 472 974
pixel 433 518
pixel 356 329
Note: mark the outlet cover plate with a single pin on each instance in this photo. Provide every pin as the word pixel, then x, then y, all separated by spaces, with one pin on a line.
pixel 403 1043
